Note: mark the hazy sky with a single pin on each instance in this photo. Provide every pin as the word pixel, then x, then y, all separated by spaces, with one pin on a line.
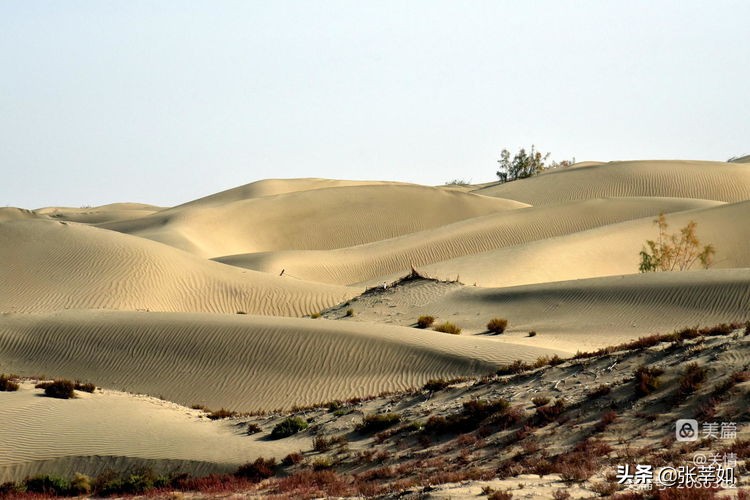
pixel 165 101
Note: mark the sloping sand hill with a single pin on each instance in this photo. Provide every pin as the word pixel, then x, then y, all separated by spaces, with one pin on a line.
pixel 105 213
pixel 386 259
pixel 50 265
pixel 241 362
pixel 313 219
pixel 118 431
pixel 605 251
pixel 683 179
pixel 571 315
pixel 12 213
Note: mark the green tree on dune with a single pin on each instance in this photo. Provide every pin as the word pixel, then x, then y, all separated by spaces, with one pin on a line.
pixel 675 252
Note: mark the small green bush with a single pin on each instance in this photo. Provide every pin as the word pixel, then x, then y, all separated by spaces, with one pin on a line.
pixel 349 312
pixel 497 325
pixel 425 321
pixel 61 389
pixel 379 422
pixel 315 315
pixel 288 427
pixel 448 327
pixel 7 383
pixel 47 485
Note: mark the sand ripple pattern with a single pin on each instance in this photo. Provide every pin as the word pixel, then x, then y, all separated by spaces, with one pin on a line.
pixel 49 265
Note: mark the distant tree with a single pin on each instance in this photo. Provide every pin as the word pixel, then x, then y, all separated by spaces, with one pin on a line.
pixel 675 252
pixel 522 165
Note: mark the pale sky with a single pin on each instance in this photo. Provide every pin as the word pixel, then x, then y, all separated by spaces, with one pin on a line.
pixel 166 101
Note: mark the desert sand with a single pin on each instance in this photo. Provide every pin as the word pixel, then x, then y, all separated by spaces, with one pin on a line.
pixel 285 293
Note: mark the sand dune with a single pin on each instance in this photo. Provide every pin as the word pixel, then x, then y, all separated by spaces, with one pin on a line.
pixel 683 179
pixel 50 265
pixel 12 213
pixel 313 219
pixel 241 362
pixel 605 251
pixel 272 187
pixel 370 263
pixel 105 213
pixel 118 431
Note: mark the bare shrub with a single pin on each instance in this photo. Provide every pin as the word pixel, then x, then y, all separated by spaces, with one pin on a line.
pixel 425 321
pixel 448 327
pixel 497 325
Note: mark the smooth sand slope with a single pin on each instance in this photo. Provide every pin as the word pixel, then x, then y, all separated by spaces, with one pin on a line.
pixel 371 263
pixel 586 314
pixel 241 362
pixel 50 265
pixel 306 220
pixel 118 431
pixel 105 213
pixel 12 213
pixel 683 179
pixel 605 251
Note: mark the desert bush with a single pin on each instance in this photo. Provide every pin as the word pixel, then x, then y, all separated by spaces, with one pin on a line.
pixel 321 443
pixel 349 312
pixel 61 389
pixel 80 484
pixel 521 166
pixel 515 367
pixel 608 418
pixel 287 427
pixel 7 383
pixel 257 471
pixel 315 315
pixel 550 413
pixel 436 384
pixel 47 485
pixel 691 379
pixel 676 251
pixel 497 325
pixel 253 428
pixel 378 422
pixel 425 321
pixel 599 392
pixel 222 413
pixel 532 333
pixel 561 495
pixel 540 400
pixel 646 380
pixel 292 459
pixel 500 495
pixel 322 463
pixel 84 387
pixel 448 327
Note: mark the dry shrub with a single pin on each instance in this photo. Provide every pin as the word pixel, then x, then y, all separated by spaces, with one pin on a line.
pixel 222 413
pixel 500 495
pixel 532 333
pixel 607 419
pixel 540 400
pixel 515 367
pixel 425 321
pixel 497 325
pixel 448 327
pixel 436 384
pixel 7 383
pixel 292 459
pixel 692 379
pixel 60 388
pixel 378 422
pixel 257 471
pixel 646 380
pixel 550 413
pixel 84 387
pixel 315 483
pixel 253 428
pixel 599 392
